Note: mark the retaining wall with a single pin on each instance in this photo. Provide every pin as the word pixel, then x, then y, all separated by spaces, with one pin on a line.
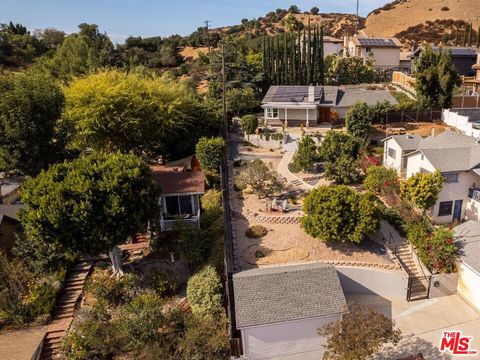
pixel 370 281
pixel 262 142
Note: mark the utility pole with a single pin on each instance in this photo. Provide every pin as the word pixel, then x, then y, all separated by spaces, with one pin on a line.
pixel 224 98
pixel 356 20
pixel 208 34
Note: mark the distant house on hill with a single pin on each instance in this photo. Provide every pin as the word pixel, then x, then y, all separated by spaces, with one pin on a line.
pixel 332 46
pixel 385 52
pixel 462 57
pixel 315 105
pixel 279 309
pixel 456 156
pixel 181 192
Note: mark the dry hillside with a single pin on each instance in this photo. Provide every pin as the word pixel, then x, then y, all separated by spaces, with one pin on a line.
pixel 400 15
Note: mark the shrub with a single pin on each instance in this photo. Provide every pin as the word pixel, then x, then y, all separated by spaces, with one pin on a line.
pixel 249 124
pixel 338 213
pixel 210 152
pixel 194 243
pixel 91 339
pixel 380 179
pixel 262 180
pixel 422 189
pixel 162 285
pixel 395 220
pixel 256 231
pixel 445 8
pixel 113 290
pixel 204 292
pixel 41 298
pixel 139 320
pixel 306 154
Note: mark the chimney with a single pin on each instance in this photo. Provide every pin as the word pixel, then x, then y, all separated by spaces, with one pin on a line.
pixel 311 94
pixel 433 131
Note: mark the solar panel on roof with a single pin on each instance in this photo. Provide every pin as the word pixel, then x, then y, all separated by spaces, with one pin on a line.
pixel 290 94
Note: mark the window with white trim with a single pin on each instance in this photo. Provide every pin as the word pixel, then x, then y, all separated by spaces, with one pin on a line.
pixel 451 177
pixel 272 113
pixel 392 153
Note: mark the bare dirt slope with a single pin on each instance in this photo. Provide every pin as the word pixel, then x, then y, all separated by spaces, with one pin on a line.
pixel 398 16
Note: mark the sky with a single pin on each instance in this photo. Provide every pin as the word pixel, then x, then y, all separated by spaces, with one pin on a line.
pixel 121 18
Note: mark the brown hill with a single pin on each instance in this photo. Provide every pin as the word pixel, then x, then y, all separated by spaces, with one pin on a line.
pixel 398 16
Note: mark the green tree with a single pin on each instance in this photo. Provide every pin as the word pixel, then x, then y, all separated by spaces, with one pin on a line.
pixel 338 213
pixel 262 180
pixel 359 119
pixel 79 53
pixel 210 152
pixel 314 10
pixel 87 206
pixel 293 9
pixel 422 189
pixel 114 111
pixel 194 243
pixel 249 124
pixel 436 78
pixel 30 108
pixel 340 154
pixel 292 23
pixel 380 180
pixel 306 155
pixel 204 292
pixel 241 100
pixel 343 70
pixel 360 334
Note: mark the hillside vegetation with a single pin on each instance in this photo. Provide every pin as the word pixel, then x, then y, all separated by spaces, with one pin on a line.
pixel 400 15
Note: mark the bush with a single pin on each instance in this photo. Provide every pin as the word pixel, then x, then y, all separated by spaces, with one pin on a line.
pixel 41 298
pixel 395 220
pixel 306 154
pixel 204 292
pixel 103 286
pixel 380 179
pixel 139 320
pixel 338 213
pixel 422 189
pixel 210 152
pixel 91 339
pixel 249 124
pixel 194 243
pixel 256 231
pixel 162 285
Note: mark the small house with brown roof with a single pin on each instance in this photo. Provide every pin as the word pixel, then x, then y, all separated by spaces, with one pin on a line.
pixel 181 192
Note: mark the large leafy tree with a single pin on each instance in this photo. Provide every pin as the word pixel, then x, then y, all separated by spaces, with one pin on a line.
pixel 338 213
pixel 348 70
pixel 87 206
pixel 30 107
pixel 380 179
pixel 359 118
pixel 436 78
pixel 249 124
pixel 114 111
pixel 422 189
pixel 241 100
pixel 360 334
pixel 340 154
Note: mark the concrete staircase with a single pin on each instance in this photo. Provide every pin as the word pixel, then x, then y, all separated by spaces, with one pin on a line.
pixel 64 308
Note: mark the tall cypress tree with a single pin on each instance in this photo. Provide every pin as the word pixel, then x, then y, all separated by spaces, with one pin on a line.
pixel 456 36
pixel 469 36
pixel 465 34
pixel 478 37
pixel 322 59
pixel 292 59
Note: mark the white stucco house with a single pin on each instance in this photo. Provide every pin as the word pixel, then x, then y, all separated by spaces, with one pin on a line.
pixel 456 156
pixel 385 52
pixel 468 239
pixel 315 105
pixel 465 120
pixel 279 309
pixel 332 46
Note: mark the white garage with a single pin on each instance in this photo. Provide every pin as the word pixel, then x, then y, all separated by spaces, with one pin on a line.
pixel 279 309
pixel 468 235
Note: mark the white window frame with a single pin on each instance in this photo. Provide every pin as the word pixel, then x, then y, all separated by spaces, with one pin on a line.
pixel 272 113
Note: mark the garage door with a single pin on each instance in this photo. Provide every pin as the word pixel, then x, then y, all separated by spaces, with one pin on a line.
pixel 469 286
pixel 297 340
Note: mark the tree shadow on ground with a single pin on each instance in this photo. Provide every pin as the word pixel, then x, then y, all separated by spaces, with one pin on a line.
pixel 411 345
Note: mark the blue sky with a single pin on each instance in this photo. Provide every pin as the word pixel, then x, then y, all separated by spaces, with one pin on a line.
pixel 120 18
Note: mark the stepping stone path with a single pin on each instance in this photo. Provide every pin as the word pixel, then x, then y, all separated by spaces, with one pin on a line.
pixel 296 182
pixel 64 308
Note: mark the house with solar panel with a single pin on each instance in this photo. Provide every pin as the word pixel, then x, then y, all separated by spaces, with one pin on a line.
pixel 385 52
pixel 312 106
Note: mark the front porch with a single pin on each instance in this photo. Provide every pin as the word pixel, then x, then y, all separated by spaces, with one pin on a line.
pixel 297 116
pixel 184 208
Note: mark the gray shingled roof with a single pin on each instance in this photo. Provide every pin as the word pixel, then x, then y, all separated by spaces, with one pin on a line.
pixel 286 293
pixel 451 151
pixel 10 211
pixel 468 235
pixel 348 97
pixel 407 142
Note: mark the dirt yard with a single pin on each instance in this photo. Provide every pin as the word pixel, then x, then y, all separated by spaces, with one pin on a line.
pixel 191 53
pixel 420 128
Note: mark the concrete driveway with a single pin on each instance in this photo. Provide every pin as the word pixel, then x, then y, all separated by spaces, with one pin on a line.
pixel 422 323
